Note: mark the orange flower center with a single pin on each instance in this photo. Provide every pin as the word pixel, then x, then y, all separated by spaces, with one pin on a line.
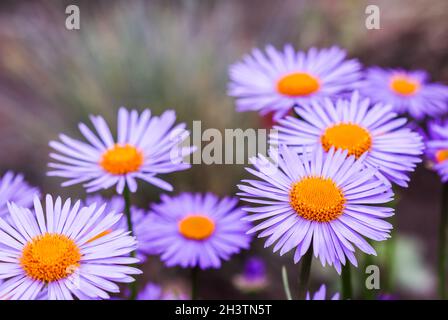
pixel 347 136
pixel 298 84
pixel 196 227
pixel 317 199
pixel 50 257
pixel 442 155
pixel 404 85
pixel 122 159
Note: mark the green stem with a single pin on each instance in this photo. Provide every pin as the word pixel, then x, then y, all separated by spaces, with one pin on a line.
pixel 304 274
pixel 127 211
pixel 346 279
pixel 389 248
pixel 194 283
pixel 369 294
pixel 442 242
pixel 127 208
pixel 286 283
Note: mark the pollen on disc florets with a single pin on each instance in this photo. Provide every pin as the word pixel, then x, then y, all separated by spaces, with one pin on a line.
pixel 442 155
pixel 317 199
pixel 404 85
pixel 298 84
pixel 196 227
pixel 50 257
pixel 122 159
pixel 347 136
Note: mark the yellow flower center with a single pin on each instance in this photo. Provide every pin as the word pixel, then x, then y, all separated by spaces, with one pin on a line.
pixel 122 159
pixel 317 199
pixel 102 234
pixel 50 257
pixel 298 84
pixel 347 136
pixel 442 155
pixel 404 85
pixel 196 227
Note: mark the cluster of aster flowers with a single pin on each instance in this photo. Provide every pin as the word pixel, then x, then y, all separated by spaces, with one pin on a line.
pixel 276 81
pixel 64 249
pixel 437 147
pixel 346 144
pixel 327 192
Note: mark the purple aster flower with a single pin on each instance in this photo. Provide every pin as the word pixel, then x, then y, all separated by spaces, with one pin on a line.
pixel 192 230
pixel 386 297
pixel 254 277
pixel 51 251
pixel 14 188
pixel 326 202
pixel 321 294
pixel 145 147
pixel 277 81
pixel 358 127
pixel 150 292
pixel 154 292
pixel 255 268
pixel 437 147
pixel 173 295
pixel 116 204
pixel 407 91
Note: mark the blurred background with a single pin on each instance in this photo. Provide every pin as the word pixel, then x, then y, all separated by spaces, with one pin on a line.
pixel 174 55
